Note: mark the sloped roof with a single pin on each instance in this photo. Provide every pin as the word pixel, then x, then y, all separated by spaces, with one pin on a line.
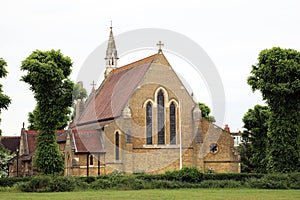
pixel 32 137
pixel 11 142
pixel 113 94
pixel 88 141
pixel 31 140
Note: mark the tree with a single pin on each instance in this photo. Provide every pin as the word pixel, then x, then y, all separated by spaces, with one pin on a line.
pixel 4 99
pixel 48 76
pixel 78 93
pixel 5 156
pixel 277 76
pixel 255 137
pixel 205 111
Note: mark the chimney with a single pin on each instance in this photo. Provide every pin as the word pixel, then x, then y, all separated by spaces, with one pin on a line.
pixel 227 128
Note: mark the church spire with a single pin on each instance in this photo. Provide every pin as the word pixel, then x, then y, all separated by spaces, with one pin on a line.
pixel 111 54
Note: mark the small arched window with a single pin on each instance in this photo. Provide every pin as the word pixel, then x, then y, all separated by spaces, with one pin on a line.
pixel 161 117
pixel 117 143
pixel 172 123
pixel 149 123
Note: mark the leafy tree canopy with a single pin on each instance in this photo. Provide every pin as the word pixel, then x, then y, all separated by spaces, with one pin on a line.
pixel 277 76
pixel 4 99
pixel 205 112
pixel 256 127
pixel 47 73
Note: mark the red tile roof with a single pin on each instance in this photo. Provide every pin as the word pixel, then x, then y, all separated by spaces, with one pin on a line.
pixel 114 92
pixel 31 140
pixel 11 143
pixel 32 137
pixel 88 141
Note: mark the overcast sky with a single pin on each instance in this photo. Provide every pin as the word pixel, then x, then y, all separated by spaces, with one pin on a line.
pixel 231 32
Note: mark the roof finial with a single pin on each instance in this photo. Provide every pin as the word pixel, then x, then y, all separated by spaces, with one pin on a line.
pixel 93 84
pixel 110 24
pixel 159 44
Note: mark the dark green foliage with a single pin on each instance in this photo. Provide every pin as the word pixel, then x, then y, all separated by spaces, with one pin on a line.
pixel 270 181
pixel 62 184
pixel 205 111
pixel 277 76
pixel 10 181
pixel 186 174
pixel 231 176
pixel 254 151
pixel 294 181
pixel 220 184
pixel 137 182
pixel 4 99
pixel 47 75
pixel 49 184
pixel 37 184
pixel 79 92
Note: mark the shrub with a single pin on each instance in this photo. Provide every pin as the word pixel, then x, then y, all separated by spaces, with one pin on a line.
pixel 186 174
pixel 101 184
pixel 294 181
pixel 267 183
pixel 231 176
pixel 129 183
pixel 62 184
pixel 48 184
pixel 10 181
pixel 37 184
pixel 220 184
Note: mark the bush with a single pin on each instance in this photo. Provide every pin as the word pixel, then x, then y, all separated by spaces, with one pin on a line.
pixel 270 181
pixel 48 184
pixel 164 184
pixel 62 184
pixel 186 174
pixel 231 176
pixel 129 183
pixel 294 181
pixel 101 184
pixel 10 181
pixel 37 184
pixel 220 184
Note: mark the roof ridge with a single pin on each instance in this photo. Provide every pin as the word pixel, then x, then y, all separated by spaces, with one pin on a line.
pixel 133 64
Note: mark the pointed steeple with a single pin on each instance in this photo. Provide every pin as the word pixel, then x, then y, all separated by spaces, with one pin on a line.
pixel 111 54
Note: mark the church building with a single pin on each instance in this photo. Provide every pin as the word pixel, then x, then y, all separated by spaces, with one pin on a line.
pixel 142 119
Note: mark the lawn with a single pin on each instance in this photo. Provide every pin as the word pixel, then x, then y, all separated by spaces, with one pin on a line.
pixel 209 194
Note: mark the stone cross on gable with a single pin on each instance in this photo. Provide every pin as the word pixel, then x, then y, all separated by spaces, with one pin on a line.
pixel 93 84
pixel 160 44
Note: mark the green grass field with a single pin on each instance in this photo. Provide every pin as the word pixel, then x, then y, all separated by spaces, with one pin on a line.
pixel 209 194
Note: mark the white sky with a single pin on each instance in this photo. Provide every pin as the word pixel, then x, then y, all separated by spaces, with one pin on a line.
pixel 232 33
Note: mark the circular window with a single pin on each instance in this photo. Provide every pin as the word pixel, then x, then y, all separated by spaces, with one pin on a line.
pixel 213 148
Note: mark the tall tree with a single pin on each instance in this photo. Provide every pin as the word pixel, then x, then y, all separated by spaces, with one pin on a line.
pixel 255 137
pixel 205 112
pixel 4 99
pixel 78 93
pixel 48 76
pixel 277 76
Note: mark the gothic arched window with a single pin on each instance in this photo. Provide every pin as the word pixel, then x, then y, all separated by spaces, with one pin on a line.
pixel 172 123
pixel 149 123
pixel 161 117
pixel 117 143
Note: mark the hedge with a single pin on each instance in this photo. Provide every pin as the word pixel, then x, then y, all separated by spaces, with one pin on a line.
pixel 186 178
